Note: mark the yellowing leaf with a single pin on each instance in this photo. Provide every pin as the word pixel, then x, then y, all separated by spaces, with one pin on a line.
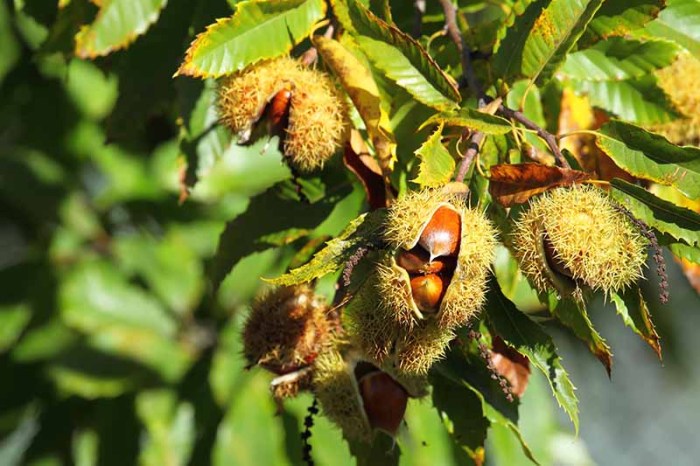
pixel 358 82
pixel 437 165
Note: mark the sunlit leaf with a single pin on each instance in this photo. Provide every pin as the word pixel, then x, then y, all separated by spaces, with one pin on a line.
pixel 358 82
pixel 258 30
pixel 472 119
pixel 618 59
pixel 620 18
pixel 337 251
pixel 86 448
pixel 540 39
pixel 639 100
pixel 679 222
pixel 649 156
pixel 402 59
pixel 436 163
pixel 118 23
pixel 679 22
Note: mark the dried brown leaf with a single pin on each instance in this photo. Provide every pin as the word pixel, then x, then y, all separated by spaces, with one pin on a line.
pixel 357 159
pixel 512 365
pixel 515 184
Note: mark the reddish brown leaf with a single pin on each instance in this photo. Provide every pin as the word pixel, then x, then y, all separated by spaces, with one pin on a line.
pixel 512 365
pixel 515 184
pixel 358 160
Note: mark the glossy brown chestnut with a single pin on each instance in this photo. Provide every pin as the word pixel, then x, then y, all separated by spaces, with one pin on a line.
pixel 278 108
pixel 384 401
pixel 441 235
pixel 417 260
pixel 427 291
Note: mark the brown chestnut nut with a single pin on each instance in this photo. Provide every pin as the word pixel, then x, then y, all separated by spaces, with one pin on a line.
pixel 417 260
pixel 384 401
pixel 427 291
pixel 441 235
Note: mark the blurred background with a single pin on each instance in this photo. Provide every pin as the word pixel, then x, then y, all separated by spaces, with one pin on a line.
pixel 116 350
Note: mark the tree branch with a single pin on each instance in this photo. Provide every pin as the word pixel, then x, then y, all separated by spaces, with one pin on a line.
pixel 456 36
pixel 548 137
pixel 469 76
pixel 473 149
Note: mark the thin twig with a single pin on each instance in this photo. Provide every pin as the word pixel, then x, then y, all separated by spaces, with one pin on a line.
pixel 469 155
pixel 456 36
pixel 469 76
pixel 419 8
pixel 548 137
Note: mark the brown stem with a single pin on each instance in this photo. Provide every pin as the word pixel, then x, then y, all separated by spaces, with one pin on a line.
pixel 469 76
pixel 456 36
pixel 474 144
pixel 548 137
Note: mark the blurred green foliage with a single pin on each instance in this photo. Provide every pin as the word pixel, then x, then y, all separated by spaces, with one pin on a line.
pixel 119 314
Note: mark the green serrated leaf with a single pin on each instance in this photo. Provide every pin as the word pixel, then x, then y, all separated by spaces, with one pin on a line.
pixel 118 23
pixel 686 252
pixel 382 9
pixel 360 85
pixel 574 316
pixel 620 18
pixel 458 374
pixel 518 331
pixel 639 100
pixel 241 236
pixel 616 59
pixel 337 251
pixel 633 309
pixel 679 222
pixel 540 39
pixel 463 415
pixel 402 59
pixel 650 156
pixel 436 163
pixel 258 30
pixel 472 119
pixel 679 22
